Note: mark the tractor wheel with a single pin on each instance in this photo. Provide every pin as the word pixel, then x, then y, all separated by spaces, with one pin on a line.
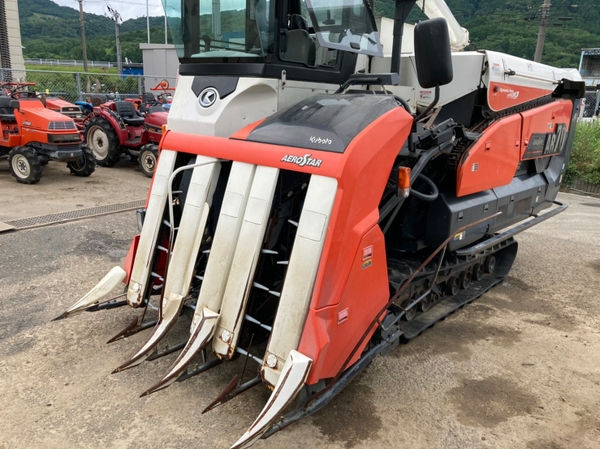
pixel 85 166
pixel 148 159
pixel 25 165
pixel 101 138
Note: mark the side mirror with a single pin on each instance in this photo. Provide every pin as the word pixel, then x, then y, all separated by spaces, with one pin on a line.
pixel 432 53
pixel 15 105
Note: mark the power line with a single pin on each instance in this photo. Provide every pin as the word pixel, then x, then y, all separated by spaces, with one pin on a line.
pixel 539 48
pixel 117 18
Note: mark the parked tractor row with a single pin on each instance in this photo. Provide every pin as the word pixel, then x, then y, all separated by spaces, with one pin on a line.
pixel 38 129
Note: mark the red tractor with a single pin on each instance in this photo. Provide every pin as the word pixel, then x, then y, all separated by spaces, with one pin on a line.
pixel 66 108
pixel 33 135
pixel 115 127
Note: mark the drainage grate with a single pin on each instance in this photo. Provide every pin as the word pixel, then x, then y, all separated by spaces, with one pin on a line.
pixel 61 217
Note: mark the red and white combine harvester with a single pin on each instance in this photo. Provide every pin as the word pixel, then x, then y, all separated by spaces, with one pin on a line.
pixel 330 185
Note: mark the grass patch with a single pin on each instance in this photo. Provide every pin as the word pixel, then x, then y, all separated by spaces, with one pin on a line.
pixel 585 155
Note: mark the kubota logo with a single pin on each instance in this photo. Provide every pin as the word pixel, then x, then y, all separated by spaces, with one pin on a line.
pixel 208 97
pixel 323 141
pixel 302 161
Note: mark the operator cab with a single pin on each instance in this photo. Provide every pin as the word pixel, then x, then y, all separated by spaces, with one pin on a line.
pixel 312 40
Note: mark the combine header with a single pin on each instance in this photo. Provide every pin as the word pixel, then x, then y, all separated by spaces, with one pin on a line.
pixel 317 201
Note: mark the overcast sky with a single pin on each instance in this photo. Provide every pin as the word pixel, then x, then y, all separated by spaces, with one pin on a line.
pixel 129 9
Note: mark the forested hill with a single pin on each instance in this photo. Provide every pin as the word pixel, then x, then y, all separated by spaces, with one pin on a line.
pixel 52 31
pixel 510 26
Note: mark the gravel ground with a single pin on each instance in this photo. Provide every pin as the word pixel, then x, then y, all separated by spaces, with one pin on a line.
pixel 518 368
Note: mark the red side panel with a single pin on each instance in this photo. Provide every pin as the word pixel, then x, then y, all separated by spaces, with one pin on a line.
pixel 503 95
pixel 348 291
pixel 331 333
pixel 243 133
pixel 128 264
pixel 541 123
pixel 493 160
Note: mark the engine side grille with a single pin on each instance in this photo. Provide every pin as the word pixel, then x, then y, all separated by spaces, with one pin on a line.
pixel 66 124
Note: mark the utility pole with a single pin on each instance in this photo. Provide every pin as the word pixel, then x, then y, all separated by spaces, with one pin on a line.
pixel 166 26
pixel 148 20
pixel 117 18
pixel 82 27
pixel 539 48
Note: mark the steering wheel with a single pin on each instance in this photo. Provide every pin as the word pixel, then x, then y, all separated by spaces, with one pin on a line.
pixel 23 94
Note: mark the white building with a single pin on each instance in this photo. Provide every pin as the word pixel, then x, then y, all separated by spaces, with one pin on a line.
pixel 160 62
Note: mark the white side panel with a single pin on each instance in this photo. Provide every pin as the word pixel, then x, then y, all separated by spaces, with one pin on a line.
pixel 526 73
pixel 154 216
pixel 385 26
pixel 252 100
pixel 191 227
pixel 467 70
pixel 225 239
pixel 301 273
pixel 245 260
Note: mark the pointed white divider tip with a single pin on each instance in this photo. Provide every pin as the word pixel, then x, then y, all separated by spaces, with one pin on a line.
pixel 200 338
pixel 108 283
pixel 292 379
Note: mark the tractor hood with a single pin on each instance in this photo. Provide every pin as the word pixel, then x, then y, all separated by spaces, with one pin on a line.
pixel 156 119
pixel 36 116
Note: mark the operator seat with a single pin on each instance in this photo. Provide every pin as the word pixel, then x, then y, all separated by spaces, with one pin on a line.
pixel 126 110
pixel 99 98
pixel 300 47
pixel 6 110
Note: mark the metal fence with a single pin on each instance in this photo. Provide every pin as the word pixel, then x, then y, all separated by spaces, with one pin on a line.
pixel 592 100
pixel 70 63
pixel 73 86
pixel 584 186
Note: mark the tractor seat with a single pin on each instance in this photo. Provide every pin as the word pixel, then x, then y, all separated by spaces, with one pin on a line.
pixel 126 110
pixel 300 47
pixel 6 111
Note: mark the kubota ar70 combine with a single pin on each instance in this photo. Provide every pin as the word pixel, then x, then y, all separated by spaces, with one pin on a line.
pixel 317 199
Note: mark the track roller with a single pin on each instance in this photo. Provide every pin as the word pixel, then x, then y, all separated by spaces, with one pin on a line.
pixel 452 286
pixel 410 313
pixel 478 272
pixel 490 264
pixel 465 279
pixel 427 302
